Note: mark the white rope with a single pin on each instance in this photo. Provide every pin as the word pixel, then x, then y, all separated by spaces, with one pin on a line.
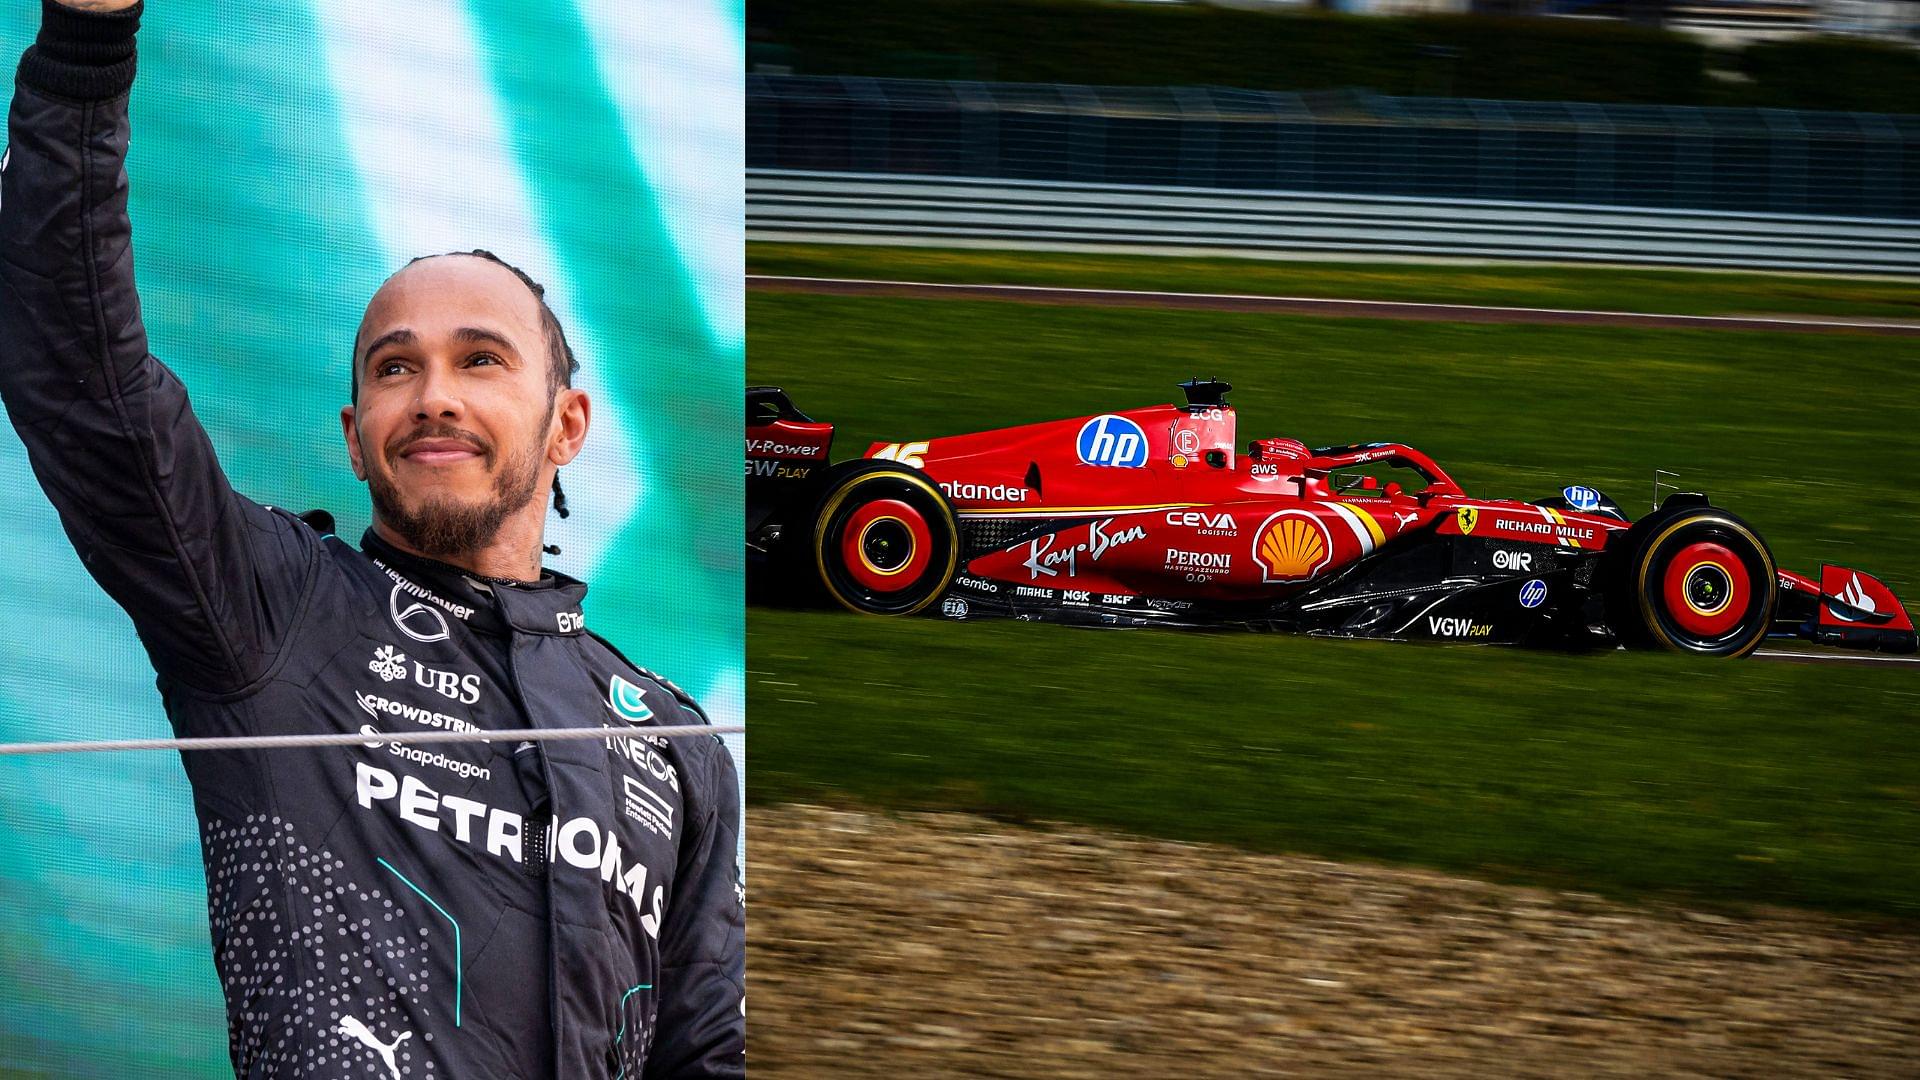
pixel 349 738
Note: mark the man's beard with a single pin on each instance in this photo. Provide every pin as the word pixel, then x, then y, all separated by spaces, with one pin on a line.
pixel 444 527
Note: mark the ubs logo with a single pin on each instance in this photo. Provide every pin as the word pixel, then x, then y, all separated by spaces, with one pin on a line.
pixel 391 665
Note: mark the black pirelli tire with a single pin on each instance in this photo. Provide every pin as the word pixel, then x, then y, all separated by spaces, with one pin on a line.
pixel 1695 580
pixel 883 539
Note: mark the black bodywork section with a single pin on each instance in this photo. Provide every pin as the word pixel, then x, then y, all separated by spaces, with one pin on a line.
pixel 1430 587
pixel 775 489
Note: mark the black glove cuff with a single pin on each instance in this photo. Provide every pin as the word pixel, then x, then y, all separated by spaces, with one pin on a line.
pixel 82 55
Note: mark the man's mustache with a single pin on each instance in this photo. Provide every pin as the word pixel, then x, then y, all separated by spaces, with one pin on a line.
pixel 448 432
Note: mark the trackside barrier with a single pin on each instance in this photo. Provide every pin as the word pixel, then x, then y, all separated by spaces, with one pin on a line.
pixel 958 211
pixel 1343 142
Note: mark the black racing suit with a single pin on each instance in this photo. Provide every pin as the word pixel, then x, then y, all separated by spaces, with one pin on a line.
pixel 555 909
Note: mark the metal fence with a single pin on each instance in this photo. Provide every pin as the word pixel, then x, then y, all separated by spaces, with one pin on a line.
pixel 956 211
pixel 1347 142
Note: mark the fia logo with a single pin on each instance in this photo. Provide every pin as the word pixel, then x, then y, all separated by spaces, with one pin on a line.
pixel 1114 441
pixel 1533 593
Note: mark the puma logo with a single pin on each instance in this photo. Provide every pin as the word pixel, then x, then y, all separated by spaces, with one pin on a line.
pixel 351 1027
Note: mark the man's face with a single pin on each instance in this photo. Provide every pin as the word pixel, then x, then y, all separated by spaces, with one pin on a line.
pixel 454 427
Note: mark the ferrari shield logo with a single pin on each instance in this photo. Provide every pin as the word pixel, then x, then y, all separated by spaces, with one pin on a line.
pixel 1469 517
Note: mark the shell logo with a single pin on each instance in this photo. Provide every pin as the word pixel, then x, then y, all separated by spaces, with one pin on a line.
pixel 1292 545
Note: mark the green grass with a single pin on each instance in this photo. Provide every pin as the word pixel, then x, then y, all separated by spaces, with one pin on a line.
pixel 1669 292
pixel 1627 774
pixel 1631 774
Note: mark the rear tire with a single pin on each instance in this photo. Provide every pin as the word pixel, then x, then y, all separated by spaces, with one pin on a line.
pixel 1698 580
pixel 883 539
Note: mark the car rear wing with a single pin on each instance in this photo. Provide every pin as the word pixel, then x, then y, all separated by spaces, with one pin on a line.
pixel 786 449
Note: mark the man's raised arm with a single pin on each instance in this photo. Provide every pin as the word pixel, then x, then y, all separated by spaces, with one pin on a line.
pixel 207 576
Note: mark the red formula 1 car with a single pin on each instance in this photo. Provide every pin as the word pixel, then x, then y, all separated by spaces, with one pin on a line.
pixel 1153 516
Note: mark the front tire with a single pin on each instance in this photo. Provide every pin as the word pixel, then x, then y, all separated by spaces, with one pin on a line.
pixel 884 540
pixel 1698 581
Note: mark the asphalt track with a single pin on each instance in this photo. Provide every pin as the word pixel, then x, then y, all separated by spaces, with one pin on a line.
pixel 1306 305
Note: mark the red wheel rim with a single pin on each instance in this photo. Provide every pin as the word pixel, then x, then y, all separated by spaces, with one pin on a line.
pixel 886 545
pixel 1707 589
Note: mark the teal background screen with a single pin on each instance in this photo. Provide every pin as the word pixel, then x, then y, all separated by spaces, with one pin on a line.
pixel 285 159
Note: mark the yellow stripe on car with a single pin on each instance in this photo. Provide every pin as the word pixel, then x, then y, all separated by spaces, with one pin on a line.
pixel 1070 511
pixel 1373 525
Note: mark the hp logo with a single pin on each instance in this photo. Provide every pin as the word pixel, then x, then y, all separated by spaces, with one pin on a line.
pixel 1533 593
pixel 1581 497
pixel 1112 440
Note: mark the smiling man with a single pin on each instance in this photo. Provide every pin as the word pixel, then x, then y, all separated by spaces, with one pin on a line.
pixel 463 411
pixel 480 909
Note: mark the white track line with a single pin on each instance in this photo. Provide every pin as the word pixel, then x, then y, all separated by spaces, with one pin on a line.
pixel 1852 658
pixel 1744 320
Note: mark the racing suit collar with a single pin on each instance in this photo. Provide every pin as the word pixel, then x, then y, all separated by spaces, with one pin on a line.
pixel 549 606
